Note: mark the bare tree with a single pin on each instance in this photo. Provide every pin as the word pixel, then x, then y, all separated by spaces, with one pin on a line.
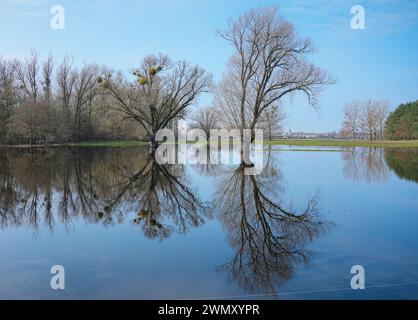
pixel 29 79
pixel 228 103
pixel 28 123
pixel 47 73
pixel 205 119
pixel 163 93
pixel 373 118
pixel 66 81
pixel 7 86
pixel 27 75
pixel 85 82
pixel 8 95
pixel 351 123
pixel 267 65
pixel 268 239
pixel 368 119
pixel 272 122
pixel 381 116
pixel 365 119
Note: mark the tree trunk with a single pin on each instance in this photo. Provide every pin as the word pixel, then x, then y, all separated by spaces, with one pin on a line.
pixel 152 143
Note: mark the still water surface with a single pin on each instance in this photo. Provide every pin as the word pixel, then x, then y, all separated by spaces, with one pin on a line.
pixel 125 227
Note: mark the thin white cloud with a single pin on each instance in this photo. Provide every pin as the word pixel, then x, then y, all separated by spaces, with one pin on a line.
pixel 382 16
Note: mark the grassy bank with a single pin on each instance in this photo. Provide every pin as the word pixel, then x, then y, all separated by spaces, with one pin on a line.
pixel 344 143
pixel 282 142
pixel 80 144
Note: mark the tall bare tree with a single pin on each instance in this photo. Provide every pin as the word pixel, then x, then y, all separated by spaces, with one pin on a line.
pixel 381 116
pixel 66 81
pixel 366 119
pixel 268 64
pixel 28 77
pixel 373 118
pixel 272 121
pixel 352 117
pixel 28 122
pixel 44 103
pixel 47 74
pixel 85 83
pixel 7 86
pixel 8 95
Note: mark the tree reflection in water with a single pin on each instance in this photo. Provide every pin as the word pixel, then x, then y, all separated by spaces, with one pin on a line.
pixel 111 186
pixel 404 162
pixel 365 164
pixel 162 198
pixel 374 164
pixel 99 186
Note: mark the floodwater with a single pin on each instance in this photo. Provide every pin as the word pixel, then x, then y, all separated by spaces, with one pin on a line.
pixel 124 227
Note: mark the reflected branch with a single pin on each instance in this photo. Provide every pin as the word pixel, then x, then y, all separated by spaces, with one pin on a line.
pixel 268 239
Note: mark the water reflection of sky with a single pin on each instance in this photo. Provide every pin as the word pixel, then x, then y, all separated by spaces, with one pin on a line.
pixel 368 196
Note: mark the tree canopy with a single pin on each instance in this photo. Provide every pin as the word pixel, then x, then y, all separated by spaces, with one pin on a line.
pixel 402 124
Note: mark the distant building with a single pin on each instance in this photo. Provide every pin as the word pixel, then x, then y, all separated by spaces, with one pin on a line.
pixel 308 135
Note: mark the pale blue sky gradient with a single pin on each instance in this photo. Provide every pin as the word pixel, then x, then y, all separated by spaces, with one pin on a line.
pixel 380 62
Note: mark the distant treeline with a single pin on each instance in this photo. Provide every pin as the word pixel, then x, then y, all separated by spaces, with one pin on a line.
pixel 371 120
pixel 365 120
pixel 44 102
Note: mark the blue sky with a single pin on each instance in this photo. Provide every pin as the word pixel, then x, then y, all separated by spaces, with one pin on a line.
pixel 380 62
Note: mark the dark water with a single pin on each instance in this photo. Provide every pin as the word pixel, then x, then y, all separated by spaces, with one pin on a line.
pixel 124 226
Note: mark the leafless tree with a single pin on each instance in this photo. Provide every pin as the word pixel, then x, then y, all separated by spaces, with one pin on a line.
pixel 368 118
pixel 373 118
pixel 66 80
pixel 381 116
pixel 272 122
pixel 47 73
pixel 8 95
pixel 85 83
pixel 27 75
pixel 7 86
pixel 268 239
pixel 351 123
pixel 163 92
pixel 365 118
pixel 28 122
pixel 268 64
